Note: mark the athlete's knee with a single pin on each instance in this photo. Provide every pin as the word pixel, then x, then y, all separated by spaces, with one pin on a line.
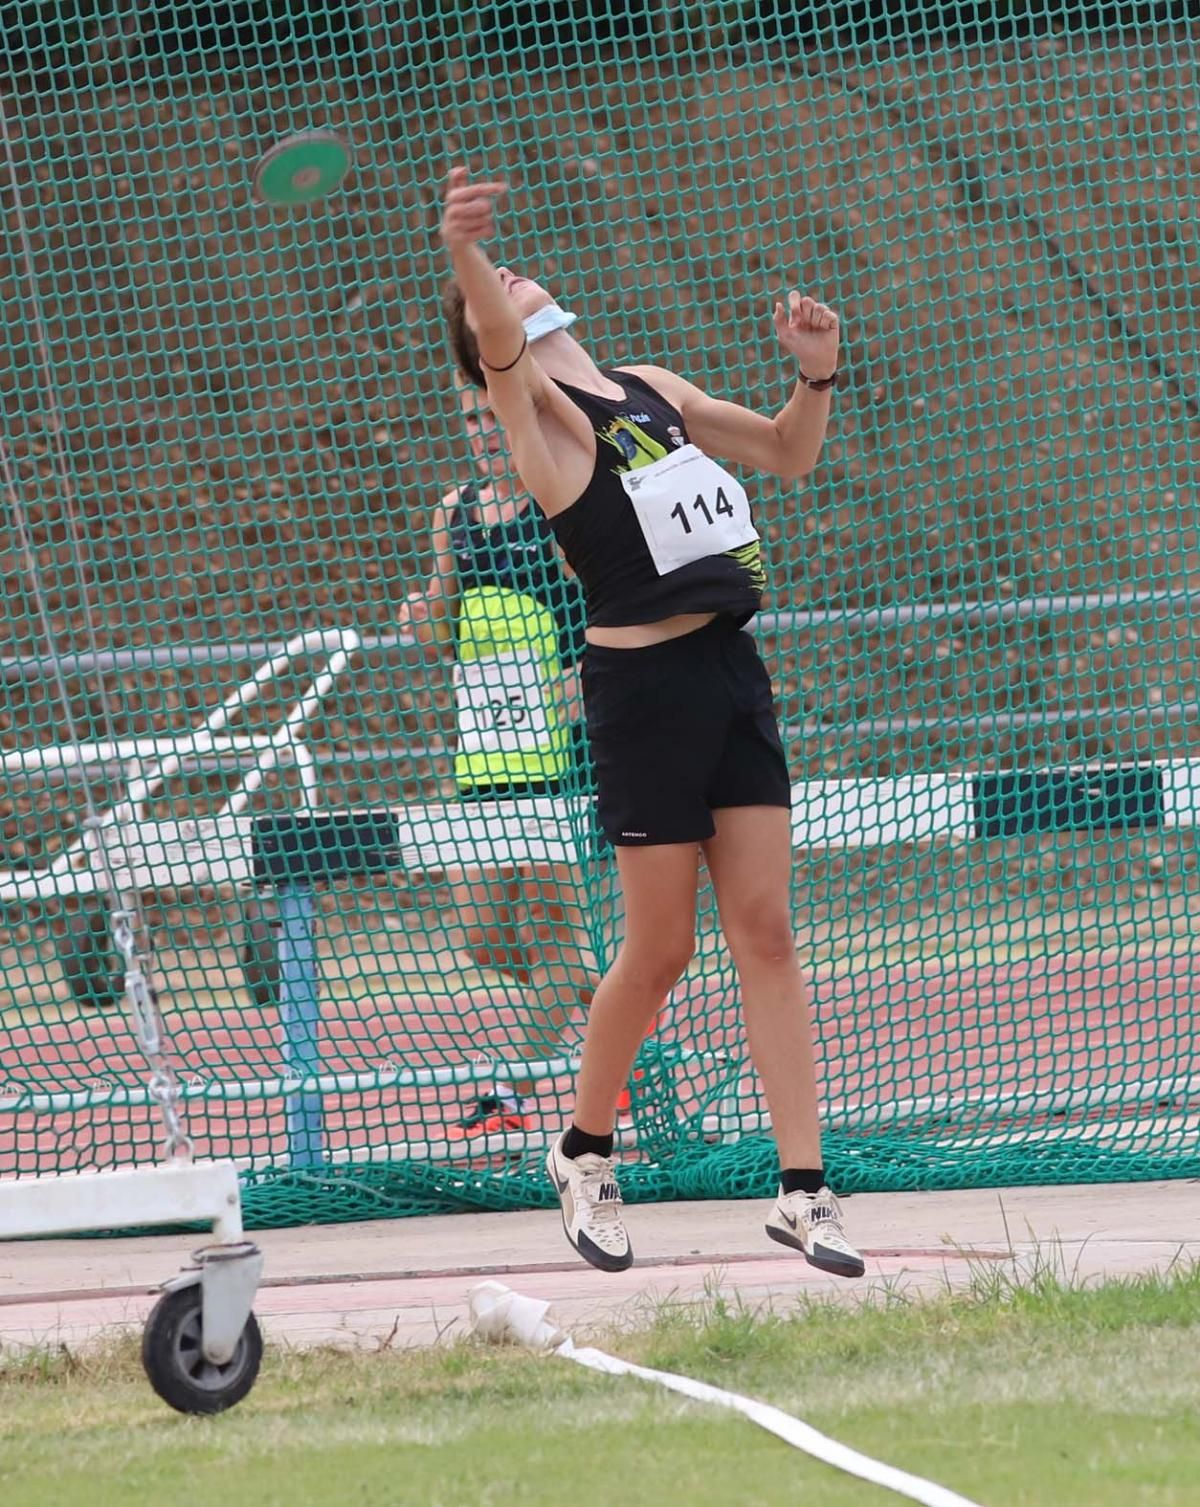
pixel 658 965
pixel 761 936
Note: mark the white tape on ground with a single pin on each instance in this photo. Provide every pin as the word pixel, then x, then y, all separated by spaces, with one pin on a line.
pixel 499 1314
pixel 790 1429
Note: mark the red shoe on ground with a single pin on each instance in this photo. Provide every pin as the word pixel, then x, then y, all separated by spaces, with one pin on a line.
pixel 491 1116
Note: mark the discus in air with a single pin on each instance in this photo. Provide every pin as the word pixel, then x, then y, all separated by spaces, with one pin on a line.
pixel 301 169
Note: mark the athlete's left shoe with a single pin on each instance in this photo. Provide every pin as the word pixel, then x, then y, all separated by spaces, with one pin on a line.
pixel 812 1223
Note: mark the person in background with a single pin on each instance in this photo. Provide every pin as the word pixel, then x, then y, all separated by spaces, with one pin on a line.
pixel 498 594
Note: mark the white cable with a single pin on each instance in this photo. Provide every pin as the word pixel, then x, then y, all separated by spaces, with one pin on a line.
pixel 498 1314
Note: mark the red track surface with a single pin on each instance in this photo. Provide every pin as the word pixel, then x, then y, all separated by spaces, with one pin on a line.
pixel 1051 1025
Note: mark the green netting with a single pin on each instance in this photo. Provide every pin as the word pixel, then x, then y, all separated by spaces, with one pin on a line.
pixel 981 620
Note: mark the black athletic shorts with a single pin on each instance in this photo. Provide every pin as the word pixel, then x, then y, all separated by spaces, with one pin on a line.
pixel 680 730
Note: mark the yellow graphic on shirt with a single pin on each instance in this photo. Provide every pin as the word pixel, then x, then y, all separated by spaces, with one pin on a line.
pixel 749 557
pixel 632 443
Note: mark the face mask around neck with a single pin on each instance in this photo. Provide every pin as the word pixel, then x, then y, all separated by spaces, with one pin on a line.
pixel 546 321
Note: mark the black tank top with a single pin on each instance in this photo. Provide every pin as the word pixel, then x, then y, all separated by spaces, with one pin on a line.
pixel 602 539
pixel 519 555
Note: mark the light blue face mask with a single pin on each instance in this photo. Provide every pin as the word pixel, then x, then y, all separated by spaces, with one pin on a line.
pixel 546 321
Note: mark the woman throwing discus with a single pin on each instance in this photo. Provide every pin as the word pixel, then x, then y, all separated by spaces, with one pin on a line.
pixel 627 466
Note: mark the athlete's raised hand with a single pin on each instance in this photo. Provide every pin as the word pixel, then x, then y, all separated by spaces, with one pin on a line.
pixel 809 331
pixel 468 209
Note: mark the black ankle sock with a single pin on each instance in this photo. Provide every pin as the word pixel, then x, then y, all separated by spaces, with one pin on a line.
pixel 577 1142
pixel 802 1179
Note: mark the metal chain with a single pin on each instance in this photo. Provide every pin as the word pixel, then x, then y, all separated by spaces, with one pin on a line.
pixel 125 919
pixel 126 916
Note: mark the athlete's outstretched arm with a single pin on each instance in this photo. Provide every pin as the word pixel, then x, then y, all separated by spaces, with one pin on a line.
pixel 788 445
pixel 517 387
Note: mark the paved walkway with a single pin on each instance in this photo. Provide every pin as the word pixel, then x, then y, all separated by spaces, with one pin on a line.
pixel 404 1282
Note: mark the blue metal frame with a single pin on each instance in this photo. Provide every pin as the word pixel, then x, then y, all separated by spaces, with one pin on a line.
pixel 300 1016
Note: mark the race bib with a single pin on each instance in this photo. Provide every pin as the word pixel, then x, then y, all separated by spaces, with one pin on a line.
pixel 500 704
pixel 688 508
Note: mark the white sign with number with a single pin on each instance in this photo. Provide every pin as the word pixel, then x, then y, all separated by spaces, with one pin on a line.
pixel 500 704
pixel 688 507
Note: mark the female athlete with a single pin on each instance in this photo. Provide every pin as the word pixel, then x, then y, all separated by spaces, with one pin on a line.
pixel 688 757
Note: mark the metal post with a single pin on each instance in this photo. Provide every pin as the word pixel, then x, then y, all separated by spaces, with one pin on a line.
pixel 300 1017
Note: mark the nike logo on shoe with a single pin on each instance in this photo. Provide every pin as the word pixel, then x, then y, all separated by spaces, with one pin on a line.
pixel 560 1183
pixel 815 1229
pixel 593 1222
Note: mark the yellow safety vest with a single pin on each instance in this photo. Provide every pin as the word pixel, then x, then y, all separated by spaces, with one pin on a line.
pixel 511 729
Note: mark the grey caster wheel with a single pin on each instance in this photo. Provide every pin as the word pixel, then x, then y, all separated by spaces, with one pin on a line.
pixel 174 1359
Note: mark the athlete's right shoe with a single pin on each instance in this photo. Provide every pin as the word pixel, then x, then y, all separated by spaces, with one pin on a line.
pixel 812 1223
pixel 591 1207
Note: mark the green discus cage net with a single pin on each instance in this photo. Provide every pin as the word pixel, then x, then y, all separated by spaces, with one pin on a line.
pixel 230 425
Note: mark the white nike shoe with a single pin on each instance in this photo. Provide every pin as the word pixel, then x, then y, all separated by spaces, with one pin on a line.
pixel 591 1207
pixel 812 1223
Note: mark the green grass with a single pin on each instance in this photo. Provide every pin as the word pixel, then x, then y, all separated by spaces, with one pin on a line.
pixel 1030 1394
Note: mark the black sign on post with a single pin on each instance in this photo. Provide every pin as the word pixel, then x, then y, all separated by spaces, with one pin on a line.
pixel 304 849
pixel 1016 802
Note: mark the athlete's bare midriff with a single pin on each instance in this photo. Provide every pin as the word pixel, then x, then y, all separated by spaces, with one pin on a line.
pixel 643 635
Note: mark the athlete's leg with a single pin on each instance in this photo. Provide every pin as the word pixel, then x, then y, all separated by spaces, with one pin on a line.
pixel 659 888
pixel 750 861
pixel 650 723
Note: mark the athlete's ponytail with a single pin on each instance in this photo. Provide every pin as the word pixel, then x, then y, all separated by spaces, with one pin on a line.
pixel 462 337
